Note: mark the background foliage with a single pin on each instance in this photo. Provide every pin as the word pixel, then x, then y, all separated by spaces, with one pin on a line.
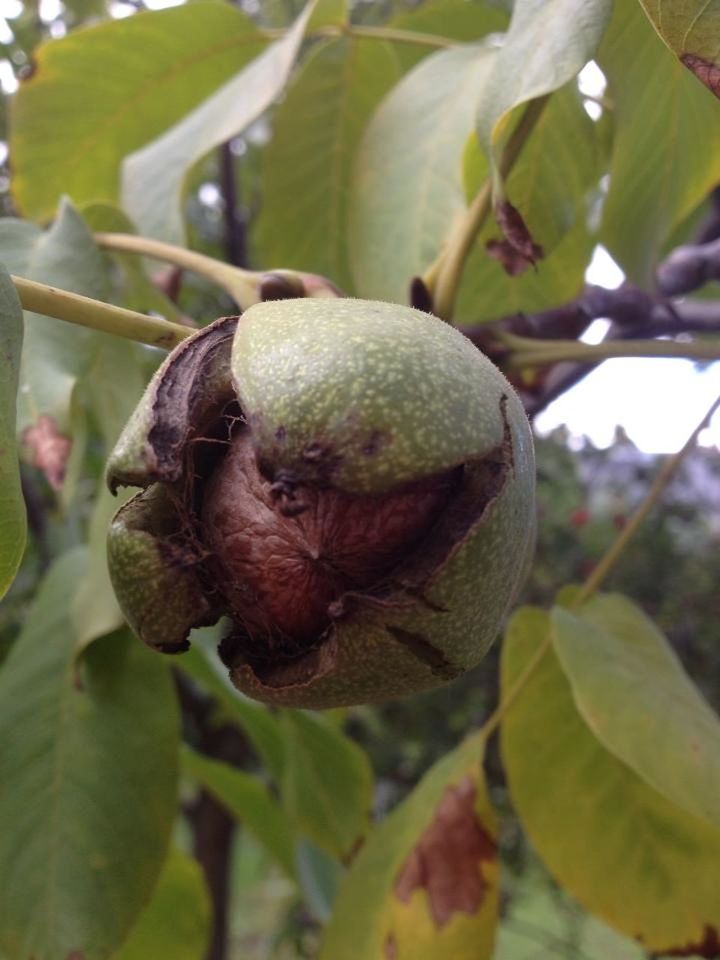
pixel 149 809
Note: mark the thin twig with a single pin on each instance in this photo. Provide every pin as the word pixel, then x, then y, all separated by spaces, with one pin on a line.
pixel 73 308
pixel 241 285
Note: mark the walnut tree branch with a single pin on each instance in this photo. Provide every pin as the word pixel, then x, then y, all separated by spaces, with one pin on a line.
pixel 634 315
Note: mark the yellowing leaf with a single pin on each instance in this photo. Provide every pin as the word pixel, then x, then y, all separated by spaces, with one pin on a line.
pixel 691 28
pixel 176 922
pixel 640 863
pixel 100 93
pixel 153 177
pixel 634 695
pixel 425 885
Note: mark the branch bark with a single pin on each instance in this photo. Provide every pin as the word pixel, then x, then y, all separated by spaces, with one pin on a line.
pixel 634 314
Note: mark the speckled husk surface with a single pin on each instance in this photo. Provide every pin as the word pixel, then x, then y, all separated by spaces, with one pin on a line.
pixel 364 397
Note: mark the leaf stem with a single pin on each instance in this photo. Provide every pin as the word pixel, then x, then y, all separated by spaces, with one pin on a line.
pixel 530 352
pixel 443 277
pixel 664 475
pixel 241 285
pixel 391 34
pixel 73 308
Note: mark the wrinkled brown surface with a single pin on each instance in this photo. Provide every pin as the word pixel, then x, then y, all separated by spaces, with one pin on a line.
pixel 446 861
pixel 281 573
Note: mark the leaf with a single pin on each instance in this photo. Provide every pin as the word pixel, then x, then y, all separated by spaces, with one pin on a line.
pixel 138 290
pixel 176 922
pixel 547 44
pixel 405 200
pixel 88 765
pixel 426 883
pixel 327 783
pixel 634 695
pixel 551 180
pixel 255 720
pixel 247 799
pixel 666 152
pixel 318 876
pixel 637 861
pixel 56 354
pixel 328 13
pixel 13 523
pixel 488 293
pixel 307 170
pixel 68 136
pixel 691 28
pixel 153 177
pixel 453 19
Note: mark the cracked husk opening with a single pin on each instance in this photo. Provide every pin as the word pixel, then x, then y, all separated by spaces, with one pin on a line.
pixel 289 576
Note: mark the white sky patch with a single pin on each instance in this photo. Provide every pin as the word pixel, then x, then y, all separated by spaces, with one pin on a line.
pixel 49 10
pixel 210 195
pixel 592 83
pixel 10 9
pixel 162 4
pixel 8 80
pixel 658 402
pixel 6 34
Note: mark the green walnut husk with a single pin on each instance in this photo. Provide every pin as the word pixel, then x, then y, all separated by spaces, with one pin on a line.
pixel 349 483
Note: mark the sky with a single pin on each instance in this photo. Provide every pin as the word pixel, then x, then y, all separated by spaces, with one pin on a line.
pixel 658 402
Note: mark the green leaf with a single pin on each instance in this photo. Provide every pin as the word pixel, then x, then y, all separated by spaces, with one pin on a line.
pixel 551 180
pixel 327 783
pixel 13 523
pixel 176 922
pixel 89 770
pixel 153 177
pixel 147 72
pixel 247 799
pixel 138 292
pixel 319 877
pixel 640 863
pixel 404 200
pixel 18 239
pixel 666 153
pixel 634 695
pixel 453 19
pixel 260 725
pixel 488 293
pixel 328 13
pixel 307 171
pixel 56 354
pixel 426 883
pixel 691 28
pixel 547 44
